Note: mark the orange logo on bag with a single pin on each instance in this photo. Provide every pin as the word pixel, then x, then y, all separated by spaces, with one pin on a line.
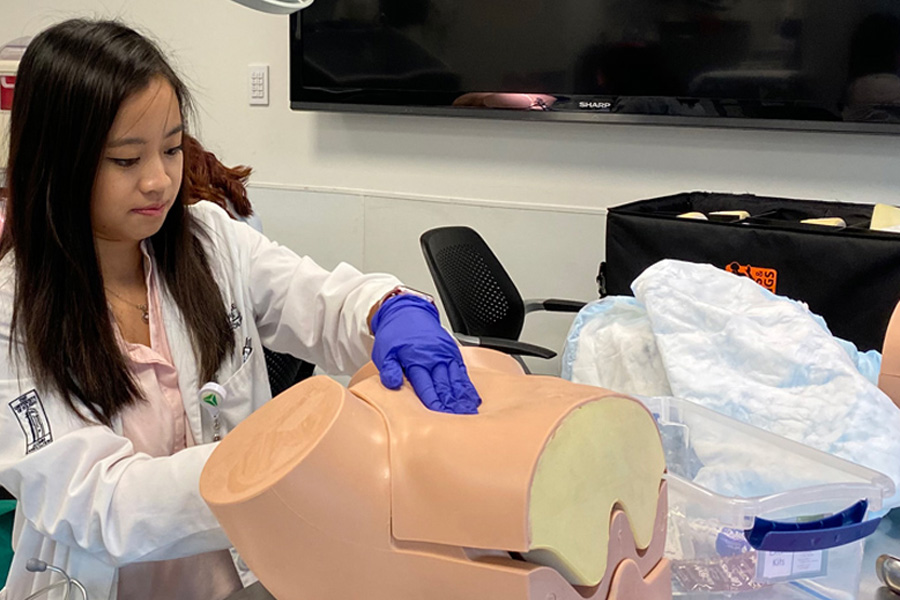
pixel 768 278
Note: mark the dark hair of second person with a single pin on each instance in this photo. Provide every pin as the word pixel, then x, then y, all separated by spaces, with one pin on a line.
pixel 206 178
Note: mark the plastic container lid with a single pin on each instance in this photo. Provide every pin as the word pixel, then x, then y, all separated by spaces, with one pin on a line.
pixel 733 473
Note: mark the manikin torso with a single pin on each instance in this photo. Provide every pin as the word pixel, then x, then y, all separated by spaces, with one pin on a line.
pixel 329 492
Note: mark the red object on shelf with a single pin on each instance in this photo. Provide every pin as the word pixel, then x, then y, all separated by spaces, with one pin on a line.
pixel 7 85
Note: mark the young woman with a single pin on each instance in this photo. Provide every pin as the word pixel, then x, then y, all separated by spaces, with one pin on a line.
pixel 119 303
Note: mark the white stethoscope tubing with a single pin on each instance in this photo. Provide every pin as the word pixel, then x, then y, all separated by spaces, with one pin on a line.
pixel 38 566
pixel 50 588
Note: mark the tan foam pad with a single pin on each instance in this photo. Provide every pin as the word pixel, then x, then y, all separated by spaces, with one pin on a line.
pixel 885 218
pixel 603 453
pixel 622 547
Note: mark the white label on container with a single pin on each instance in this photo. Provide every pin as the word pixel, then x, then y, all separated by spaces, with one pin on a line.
pixel 776 565
pixel 807 562
pixel 773 566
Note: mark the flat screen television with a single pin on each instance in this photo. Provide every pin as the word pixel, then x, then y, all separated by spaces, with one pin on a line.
pixel 789 64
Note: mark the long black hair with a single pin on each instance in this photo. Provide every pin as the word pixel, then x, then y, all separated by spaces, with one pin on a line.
pixel 70 84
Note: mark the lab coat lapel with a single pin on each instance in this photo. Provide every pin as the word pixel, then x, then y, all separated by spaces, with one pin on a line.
pixel 183 358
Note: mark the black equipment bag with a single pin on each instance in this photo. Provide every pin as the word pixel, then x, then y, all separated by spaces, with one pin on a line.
pixel 848 275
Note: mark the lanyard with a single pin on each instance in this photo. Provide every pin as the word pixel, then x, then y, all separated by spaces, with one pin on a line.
pixel 212 396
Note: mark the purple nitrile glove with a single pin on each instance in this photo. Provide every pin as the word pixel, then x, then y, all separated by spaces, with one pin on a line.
pixel 409 339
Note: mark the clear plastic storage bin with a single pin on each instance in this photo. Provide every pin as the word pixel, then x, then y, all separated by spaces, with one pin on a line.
pixel 755 515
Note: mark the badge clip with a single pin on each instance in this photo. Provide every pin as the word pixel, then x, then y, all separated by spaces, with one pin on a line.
pixel 212 396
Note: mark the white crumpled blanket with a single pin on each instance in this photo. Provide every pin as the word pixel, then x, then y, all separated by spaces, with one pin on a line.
pixel 699 333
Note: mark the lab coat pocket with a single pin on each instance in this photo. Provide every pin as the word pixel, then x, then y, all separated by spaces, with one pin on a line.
pixel 232 404
pixel 238 387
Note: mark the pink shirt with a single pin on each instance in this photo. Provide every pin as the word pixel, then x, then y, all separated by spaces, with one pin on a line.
pixel 159 427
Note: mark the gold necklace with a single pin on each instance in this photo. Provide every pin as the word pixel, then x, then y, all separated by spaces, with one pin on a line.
pixel 145 313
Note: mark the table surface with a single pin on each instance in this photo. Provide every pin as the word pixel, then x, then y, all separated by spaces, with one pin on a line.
pixel 885 540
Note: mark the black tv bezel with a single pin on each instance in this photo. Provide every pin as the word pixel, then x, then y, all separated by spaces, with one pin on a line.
pixel 299 103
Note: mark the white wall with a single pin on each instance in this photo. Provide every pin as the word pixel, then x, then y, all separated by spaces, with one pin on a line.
pixel 363 187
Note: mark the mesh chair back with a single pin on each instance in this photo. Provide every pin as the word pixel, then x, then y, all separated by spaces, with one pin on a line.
pixel 478 295
pixel 285 370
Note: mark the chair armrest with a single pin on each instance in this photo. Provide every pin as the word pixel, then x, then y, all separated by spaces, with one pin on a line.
pixel 553 304
pixel 504 345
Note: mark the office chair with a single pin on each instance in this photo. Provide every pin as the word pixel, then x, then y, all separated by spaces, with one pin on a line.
pixel 285 370
pixel 482 303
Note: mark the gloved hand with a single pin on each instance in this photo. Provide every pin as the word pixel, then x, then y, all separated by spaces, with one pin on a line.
pixel 409 339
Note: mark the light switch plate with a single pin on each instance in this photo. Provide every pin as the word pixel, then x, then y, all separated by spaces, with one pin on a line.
pixel 259 85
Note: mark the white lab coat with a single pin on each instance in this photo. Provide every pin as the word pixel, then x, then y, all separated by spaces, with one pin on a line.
pixel 88 502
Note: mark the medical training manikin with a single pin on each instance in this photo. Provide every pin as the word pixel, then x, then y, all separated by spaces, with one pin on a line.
pixel 552 492
pixel 889 377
